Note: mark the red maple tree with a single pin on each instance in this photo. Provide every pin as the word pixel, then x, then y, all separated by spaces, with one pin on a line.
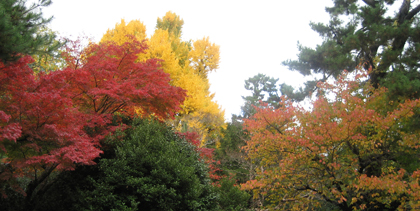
pixel 106 79
pixel 54 121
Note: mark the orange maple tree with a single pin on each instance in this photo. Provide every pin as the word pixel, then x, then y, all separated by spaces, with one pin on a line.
pixel 347 151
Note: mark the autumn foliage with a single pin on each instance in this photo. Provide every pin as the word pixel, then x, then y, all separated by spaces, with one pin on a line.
pixel 347 151
pixel 54 121
pixel 188 65
pixel 115 82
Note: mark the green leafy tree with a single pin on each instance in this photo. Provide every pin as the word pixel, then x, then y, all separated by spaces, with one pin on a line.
pixel 19 25
pixel 368 32
pixel 153 169
pixel 232 198
pixel 229 153
pixel 234 165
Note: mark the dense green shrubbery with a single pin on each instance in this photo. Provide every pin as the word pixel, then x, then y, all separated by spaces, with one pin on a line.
pixel 153 169
pixel 148 167
pixel 231 197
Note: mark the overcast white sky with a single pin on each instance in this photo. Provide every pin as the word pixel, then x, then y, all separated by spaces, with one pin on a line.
pixel 254 36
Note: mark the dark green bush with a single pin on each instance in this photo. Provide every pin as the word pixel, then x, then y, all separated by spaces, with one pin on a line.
pixel 149 167
pixel 231 197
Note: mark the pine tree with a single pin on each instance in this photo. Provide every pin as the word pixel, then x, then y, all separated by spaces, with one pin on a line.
pixel 263 88
pixel 18 30
pixel 365 33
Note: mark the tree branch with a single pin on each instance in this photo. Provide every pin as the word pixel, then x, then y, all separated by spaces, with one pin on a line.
pixel 307 187
pixel 273 126
pixel 35 183
pixel 402 14
pixel 413 12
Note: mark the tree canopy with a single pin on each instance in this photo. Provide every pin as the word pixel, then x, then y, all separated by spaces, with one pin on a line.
pixel 382 35
pixel 349 150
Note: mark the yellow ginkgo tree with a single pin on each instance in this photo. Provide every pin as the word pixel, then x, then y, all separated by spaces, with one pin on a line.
pixel 204 57
pixel 188 64
pixel 121 30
